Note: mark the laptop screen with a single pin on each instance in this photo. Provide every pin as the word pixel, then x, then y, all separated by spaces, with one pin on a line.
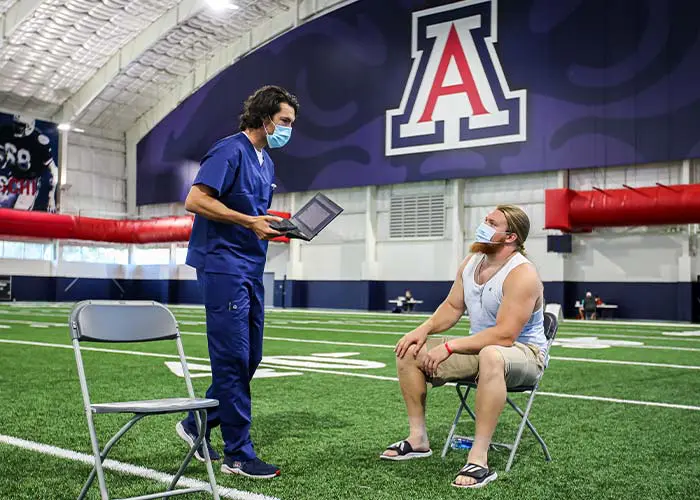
pixel 316 214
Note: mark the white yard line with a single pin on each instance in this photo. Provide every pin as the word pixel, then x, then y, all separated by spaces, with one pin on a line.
pixel 382 314
pixel 423 315
pixel 329 342
pixel 627 363
pixel 126 468
pixel 394 333
pixel 40 324
pixel 615 400
pixel 376 377
pixel 391 346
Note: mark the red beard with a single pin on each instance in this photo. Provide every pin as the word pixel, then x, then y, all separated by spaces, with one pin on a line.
pixel 485 248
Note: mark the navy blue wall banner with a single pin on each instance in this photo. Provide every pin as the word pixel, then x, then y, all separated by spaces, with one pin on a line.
pixel 396 91
pixel 28 163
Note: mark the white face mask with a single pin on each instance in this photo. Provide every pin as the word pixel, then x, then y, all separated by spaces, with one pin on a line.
pixel 484 233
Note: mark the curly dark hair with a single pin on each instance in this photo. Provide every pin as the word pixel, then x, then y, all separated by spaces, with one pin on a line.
pixel 265 103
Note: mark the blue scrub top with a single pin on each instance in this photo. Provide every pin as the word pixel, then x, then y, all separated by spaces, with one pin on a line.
pixel 232 168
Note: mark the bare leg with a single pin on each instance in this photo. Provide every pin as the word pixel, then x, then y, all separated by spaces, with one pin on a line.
pixel 490 400
pixel 413 388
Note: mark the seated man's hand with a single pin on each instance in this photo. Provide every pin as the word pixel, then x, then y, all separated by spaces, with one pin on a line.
pixel 416 337
pixel 433 358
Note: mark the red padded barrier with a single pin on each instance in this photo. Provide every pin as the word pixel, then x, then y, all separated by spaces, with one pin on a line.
pixel 75 227
pixel 569 210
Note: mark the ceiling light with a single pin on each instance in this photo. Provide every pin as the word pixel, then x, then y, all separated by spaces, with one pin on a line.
pixel 222 5
pixel 64 126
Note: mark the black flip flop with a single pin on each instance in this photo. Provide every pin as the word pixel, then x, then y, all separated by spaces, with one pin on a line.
pixel 405 451
pixel 483 476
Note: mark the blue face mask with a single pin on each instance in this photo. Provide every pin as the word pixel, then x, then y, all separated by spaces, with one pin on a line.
pixel 484 233
pixel 279 137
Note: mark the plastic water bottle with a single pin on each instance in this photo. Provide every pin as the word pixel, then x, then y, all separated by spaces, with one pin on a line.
pixel 461 443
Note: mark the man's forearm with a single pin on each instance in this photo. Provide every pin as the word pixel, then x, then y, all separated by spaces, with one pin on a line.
pixel 213 209
pixel 444 318
pixel 473 344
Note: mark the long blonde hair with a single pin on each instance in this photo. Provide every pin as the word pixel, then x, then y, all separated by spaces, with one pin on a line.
pixel 518 224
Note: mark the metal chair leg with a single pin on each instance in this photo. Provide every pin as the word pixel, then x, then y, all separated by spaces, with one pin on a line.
pixel 201 429
pixel 525 421
pixel 462 405
pixel 105 451
pixel 210 468
pixel 452 431
pixel 539 438
pixel 104 495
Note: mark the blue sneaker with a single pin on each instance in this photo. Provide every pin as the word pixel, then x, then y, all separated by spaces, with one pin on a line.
pixel 255 468
pixel 189 435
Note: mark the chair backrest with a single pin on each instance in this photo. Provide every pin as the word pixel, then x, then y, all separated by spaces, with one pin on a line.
pixel 551 325
pixel 122 321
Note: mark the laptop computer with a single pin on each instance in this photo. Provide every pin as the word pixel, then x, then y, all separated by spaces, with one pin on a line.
pixel 310 219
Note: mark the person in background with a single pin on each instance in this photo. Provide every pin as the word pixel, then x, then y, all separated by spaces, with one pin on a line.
pixel 408 304
pixel 589 306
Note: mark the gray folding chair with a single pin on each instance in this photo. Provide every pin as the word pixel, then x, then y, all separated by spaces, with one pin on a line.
pixel 137 321
pixel 551 326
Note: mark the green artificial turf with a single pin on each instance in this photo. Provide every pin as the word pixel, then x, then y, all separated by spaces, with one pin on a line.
pixel 326 428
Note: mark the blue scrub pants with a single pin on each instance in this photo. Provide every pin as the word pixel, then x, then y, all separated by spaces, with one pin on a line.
pixel 235 313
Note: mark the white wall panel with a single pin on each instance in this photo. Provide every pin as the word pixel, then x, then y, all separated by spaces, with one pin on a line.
pixel 339 252
pixel 277 258
pixel 333 262
pixel 416 260
pixel 20 267
pixel 510 189
pixel 282 202
pixel 90 270
pixel 695 171
pixel 95 170
pixel 635 176
pixel 162 210
pixel 634 257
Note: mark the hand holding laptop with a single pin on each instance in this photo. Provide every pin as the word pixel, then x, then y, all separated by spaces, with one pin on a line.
pixel 310 219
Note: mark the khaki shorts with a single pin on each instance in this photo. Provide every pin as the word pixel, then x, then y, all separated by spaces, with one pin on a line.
pixel 523 364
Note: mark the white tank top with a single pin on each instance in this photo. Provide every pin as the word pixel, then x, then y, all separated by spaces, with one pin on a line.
pixel 483 301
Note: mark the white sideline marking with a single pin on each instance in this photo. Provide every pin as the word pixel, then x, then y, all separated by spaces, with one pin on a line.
pixel 539 393
pixel 99 349
pixel 391 346
pixel 668 348
pixel 631 363
pixel 615 400
pixel 309 341
pixel 173 356
pixel 34 324
pixel 384 332
pixel 425 315
pixel 125 468
pixel 676 336
pixel 188 308
pixel 380 377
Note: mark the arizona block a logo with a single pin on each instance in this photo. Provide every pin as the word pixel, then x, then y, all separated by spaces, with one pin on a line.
pixel 457 95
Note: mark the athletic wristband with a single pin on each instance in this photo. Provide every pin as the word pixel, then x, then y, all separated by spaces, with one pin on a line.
pixel 447 346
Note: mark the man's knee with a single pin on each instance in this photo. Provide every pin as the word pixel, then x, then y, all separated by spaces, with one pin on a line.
pixel 491 361
pixel 410 358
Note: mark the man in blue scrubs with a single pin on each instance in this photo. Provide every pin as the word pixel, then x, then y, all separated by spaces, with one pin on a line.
pixel 230 197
